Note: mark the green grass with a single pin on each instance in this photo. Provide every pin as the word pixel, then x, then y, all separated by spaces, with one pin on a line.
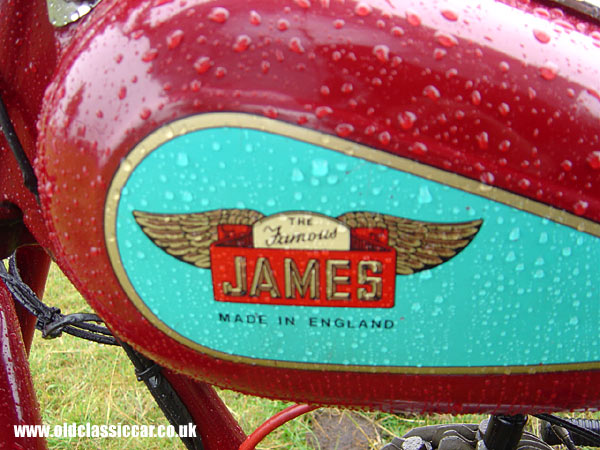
pixel 78 382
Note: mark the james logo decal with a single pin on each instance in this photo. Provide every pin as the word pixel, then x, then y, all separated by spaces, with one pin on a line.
pixel 306 258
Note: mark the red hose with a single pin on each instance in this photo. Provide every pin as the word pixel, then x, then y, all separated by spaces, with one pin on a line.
pixel 289 413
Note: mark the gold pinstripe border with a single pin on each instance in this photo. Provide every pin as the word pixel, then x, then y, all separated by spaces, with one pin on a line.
pixel 241 120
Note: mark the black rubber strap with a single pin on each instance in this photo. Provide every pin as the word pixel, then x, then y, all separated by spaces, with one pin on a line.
pixel 50 321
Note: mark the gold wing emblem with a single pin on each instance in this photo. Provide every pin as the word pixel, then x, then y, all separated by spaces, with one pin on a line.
pixel 188 236
pixel 419 245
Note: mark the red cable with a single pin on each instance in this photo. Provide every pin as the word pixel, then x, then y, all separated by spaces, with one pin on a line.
pixel 289 413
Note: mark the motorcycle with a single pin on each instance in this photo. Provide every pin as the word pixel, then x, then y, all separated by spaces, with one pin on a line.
pixel 372 204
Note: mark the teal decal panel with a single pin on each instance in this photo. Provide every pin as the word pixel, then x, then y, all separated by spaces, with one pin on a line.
pixel 522 290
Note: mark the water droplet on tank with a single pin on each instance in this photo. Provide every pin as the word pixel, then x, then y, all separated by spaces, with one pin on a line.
pixel 320 167
pixel 541 36
pixel 580 207
pixel 303 3
pixel 382 52
pixel 515 234
pixel 413 18
pixel 202 64
pixel 397 31
pixel 297 175
pixel 363 9
pixel 182 159
pixel 450 15
pixel 219 14
pixel 255 18
pixel 187 196
pixel 407 119
pixel 432 92
pixel 549 71
pixel 283 24
pixel 242 42
pixel 446 39
pixel 344 129
pixel 295 45
pixel 145 113
pixel 418 148
pixel 174 38
pixel 511 257
pixel 503 108
pixel 543 238
pixel 424 195
pixel 566 251
pixel 593 160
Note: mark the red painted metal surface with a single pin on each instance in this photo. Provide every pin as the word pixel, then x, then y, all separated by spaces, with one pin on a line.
pixel 33 264
pixel 215 424
pixel 505 94
pixel 17 395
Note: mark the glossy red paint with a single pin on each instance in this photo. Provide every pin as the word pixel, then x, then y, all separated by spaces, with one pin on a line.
pixel 17 395
pixel 497 93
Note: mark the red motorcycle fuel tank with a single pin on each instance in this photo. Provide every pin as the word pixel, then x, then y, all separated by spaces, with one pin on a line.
pixel 379 204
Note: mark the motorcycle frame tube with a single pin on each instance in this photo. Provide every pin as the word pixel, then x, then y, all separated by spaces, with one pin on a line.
pixel 18 401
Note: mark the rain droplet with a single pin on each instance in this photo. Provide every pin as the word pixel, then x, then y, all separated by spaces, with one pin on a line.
pixel 541 36
pixel 242 42
pixel 303 3
pixel 487 177
pixel 482 140
pixel 503 108
pixel 297 175
pixel 219 14
pixel 580 207
pixel 347 88
pixel 363 9
pixel 549 71
pixel 145 113
pixel 322 111
pixel 515 234
pixel 418 148
pixel 504 146
pixel 202 64
pixel 283 24
pixel 295 45
pixel 344 129
pixel 407 119
pixel 320 167
pixel 255 18
pixel 450 15
pixel 424 195
pixel 182 159
pixel 397 31
pixel 150 55
pixel 338 23
pixel 446 39
pixel 432 92
pixel 384 137
pixel 382 52
pixel 593 159
pixel 413 18
pixel 174 39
